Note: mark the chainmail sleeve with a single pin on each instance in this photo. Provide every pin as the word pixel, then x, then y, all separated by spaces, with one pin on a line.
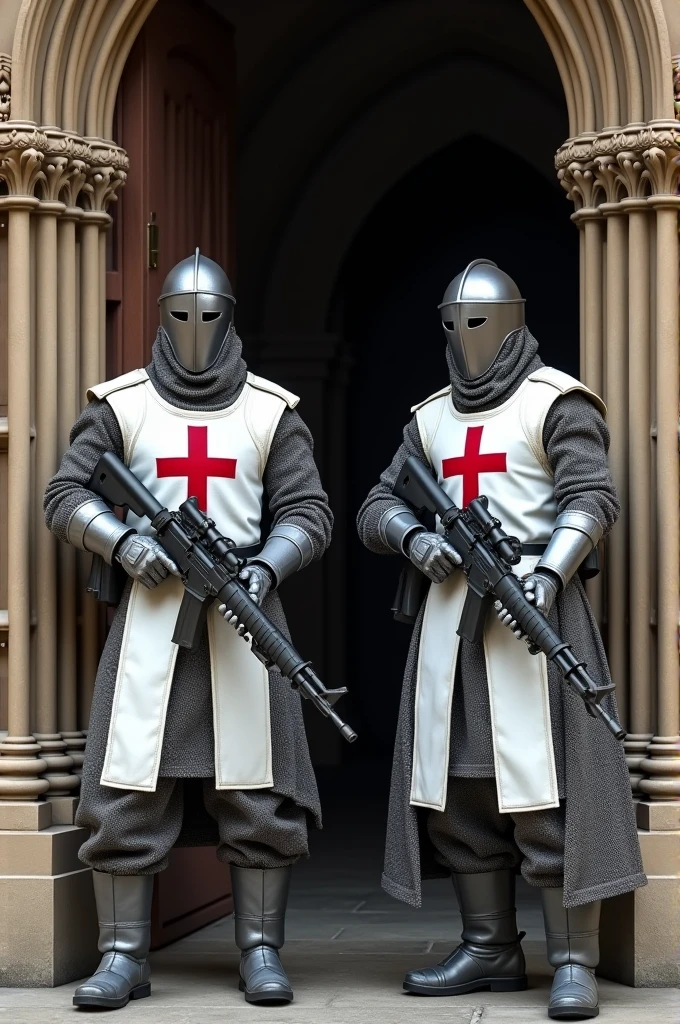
pixel 293 485
pixel 380 497
pixel 95 431
pixel 576 441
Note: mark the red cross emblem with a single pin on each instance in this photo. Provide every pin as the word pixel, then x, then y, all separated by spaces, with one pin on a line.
pixel 197 467
pixel 472 463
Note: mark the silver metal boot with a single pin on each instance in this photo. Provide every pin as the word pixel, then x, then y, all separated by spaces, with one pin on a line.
pixel 490 955
pixel 124 912
pixel 573 939
pixel 260 900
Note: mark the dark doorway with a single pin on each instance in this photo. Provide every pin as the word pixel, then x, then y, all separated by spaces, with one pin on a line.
pixel 440 217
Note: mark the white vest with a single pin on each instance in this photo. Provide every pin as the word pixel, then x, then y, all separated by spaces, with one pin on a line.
pixel 219 457
pixel 500 454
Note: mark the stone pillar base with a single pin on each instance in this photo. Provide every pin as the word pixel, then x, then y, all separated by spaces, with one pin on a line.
pixel 25 815
pixel 49 923
pixel 640 931
pixel 63 809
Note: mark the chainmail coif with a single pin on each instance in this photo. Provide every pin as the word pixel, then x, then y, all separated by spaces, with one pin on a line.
pixel 517 358
pixel 214 388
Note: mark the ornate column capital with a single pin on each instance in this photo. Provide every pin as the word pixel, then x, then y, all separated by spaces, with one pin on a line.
pixel 661 167
pixel 5 86
pixel 608 178
pixel 631 168
pixel 107 166
pixel 59 164
pixel 628 156
pixel 22 151
pixel 578 180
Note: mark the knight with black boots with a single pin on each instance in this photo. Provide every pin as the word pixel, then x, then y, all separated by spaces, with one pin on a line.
pixel 173 729
pixel 497 765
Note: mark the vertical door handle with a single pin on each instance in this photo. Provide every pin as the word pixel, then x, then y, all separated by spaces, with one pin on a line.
pixel 152 242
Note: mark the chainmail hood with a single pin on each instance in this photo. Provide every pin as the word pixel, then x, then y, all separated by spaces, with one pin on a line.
pixel 214 388
pixel 516 359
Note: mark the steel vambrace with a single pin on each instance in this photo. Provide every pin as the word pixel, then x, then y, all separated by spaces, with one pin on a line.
pixel 575 534
pixel 287 550
pixel 395 526
pixel 93 527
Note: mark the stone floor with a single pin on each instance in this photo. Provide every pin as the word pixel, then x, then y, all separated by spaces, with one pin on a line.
pixel 348 947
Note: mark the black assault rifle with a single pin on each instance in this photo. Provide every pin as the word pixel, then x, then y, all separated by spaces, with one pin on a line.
pixel 488 554
pixel 209 570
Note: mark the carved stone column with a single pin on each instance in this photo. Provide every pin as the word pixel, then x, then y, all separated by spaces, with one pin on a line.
pixel 640 555
pixel 616 397
pixel 640 360
pixel 20 765
pixel 53 748
pixel 662 766
pixel 578 179
pixel 62 175
pixel 55 292
pixel 103 178
pixel 69 406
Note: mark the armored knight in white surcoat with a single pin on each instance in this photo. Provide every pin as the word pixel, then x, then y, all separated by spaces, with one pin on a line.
pixel 492 754
pixel 194 422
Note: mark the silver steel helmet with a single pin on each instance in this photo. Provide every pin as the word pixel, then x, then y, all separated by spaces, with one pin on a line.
pixel 197 307
pixel 481 306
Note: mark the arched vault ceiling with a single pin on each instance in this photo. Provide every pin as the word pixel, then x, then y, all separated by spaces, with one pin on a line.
pixel 613 56
pixel 354 49
pixel 369 155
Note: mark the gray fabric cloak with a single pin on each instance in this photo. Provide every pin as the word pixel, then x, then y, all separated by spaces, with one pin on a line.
pixel 294 495
pixel 602 855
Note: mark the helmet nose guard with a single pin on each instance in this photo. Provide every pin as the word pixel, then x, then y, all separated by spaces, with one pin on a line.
pixel 481 306
pixel 196 311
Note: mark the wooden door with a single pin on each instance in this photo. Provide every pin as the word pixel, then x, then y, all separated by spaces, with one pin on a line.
pixel 174 117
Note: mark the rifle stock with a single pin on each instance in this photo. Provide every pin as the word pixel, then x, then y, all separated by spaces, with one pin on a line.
pixel 209 570
pixel 488 555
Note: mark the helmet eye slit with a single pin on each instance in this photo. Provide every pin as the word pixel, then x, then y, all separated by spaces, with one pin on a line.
pixel 180 314
pixel 476 321
pixel 449 325
pixel 207 316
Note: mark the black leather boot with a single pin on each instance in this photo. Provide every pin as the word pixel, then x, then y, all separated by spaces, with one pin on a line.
pixel 573 939
pixel 260 899
pixel 124 912
pixel 490 955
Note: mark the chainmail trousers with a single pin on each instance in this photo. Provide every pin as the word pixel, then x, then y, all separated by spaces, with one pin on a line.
pixel 470 835
pixel 132 833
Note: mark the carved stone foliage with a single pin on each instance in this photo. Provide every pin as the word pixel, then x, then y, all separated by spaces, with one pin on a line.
pixel 103 181
pixel 624 163
pixel 5 86
pixel 57 165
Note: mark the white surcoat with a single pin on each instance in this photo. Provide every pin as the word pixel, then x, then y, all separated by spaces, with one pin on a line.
pixel 498 453
pixel 219 457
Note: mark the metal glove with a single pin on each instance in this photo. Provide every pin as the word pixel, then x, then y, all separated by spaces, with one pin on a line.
pixel 144 559
pixel 259 581
pixel 541 588
pixel 433 555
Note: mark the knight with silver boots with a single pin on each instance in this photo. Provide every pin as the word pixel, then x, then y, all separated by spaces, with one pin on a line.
pixel 497 765
pixel 193 422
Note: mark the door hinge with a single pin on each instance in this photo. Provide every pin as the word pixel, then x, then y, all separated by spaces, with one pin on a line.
pixel 152 242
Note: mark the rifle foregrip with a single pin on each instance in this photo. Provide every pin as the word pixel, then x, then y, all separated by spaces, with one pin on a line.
pixel 267 637
pixel 532 622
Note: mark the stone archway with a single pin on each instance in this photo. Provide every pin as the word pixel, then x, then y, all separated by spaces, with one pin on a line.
pixel 59 170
